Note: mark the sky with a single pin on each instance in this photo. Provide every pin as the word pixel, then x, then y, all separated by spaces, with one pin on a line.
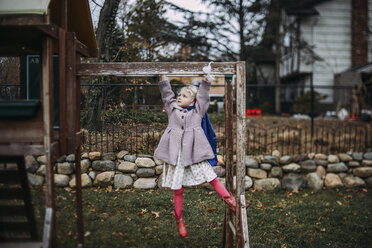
pixel 193 5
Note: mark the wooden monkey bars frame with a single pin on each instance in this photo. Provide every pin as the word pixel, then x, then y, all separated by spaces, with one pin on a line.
pixel 189 69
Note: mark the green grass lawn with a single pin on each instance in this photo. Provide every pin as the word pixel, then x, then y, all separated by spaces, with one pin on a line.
pixel 130 218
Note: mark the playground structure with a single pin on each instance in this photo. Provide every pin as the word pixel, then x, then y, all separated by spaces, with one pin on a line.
pixel 232 72
pixel 27 126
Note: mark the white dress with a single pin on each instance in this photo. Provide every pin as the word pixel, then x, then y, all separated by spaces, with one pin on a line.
pixel 176 176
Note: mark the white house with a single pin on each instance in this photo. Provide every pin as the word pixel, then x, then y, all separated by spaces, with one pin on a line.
pixel 321 39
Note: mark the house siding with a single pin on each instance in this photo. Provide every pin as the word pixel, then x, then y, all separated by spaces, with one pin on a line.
pixel 330 35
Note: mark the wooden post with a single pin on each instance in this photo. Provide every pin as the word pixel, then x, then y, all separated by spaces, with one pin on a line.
pixel 48 118
pixel 71 91
pixel 62 91
pixel 228 234
pixel 79 196
pixel 241 146
pixel 64 9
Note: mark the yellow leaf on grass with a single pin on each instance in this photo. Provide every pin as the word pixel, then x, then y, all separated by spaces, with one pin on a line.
pixel 157 214
pixel 339 203
pixel 143 211
pixel 109 188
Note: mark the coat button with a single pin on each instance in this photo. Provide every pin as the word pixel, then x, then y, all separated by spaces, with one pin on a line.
pixel 182 128
pixel 183 117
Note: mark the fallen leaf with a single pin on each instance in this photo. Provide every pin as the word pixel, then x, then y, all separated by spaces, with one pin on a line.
pixel 157 214
pixel 109 188
pixel 339 203
pixel 143 211
pixel 322 229
pixel 364 190
pixel 86 234
pixel 328 204
pixel 211 210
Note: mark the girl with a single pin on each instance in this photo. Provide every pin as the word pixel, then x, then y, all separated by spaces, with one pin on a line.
pixel 184 147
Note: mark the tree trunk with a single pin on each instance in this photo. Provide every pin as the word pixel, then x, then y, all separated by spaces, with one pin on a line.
pixel 241 31
pixel 106 24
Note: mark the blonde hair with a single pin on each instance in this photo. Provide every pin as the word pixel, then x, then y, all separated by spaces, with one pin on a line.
pixel 191 89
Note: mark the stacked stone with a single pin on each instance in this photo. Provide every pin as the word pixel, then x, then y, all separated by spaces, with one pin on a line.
pixel 314 171
pixel 264 172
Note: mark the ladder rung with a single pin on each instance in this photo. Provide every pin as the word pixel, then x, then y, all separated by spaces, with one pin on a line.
pixel 12 210
pixel 21 245
pixel 11 193
pixel 9 177
pixel 14 227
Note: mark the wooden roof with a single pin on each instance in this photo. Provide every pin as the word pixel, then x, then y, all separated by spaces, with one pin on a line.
pixel 22 24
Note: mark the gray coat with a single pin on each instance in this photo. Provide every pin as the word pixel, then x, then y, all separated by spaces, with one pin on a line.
pixel 184 127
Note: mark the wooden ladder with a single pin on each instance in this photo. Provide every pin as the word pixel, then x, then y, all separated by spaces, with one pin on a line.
pixel 17 223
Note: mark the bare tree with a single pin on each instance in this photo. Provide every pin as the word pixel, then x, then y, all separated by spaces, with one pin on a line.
pixel 106 25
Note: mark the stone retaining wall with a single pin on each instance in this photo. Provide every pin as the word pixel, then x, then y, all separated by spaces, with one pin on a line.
pixel 123 170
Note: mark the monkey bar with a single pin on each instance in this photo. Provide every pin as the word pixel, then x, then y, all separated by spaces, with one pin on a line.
pixel 229 70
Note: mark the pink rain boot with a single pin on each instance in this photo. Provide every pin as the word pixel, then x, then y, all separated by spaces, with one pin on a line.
pixel 181 224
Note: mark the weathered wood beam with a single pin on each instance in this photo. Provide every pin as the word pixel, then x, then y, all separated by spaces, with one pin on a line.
pixel 84 50
pixel 64 14
pixel 13 50
pixel 71 91
pixel 244 221
pixel 241 146
pixel 228 237
pixel 51 30
pixel 79 196
pixel 62 90
pixel 47 107
pixel 21 149
pixel 150 69
pixel 23 20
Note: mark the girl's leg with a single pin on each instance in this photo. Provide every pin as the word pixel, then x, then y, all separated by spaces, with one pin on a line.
pixel 178 201
pixel 177 212
pixel 220 189
pixel 226 196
